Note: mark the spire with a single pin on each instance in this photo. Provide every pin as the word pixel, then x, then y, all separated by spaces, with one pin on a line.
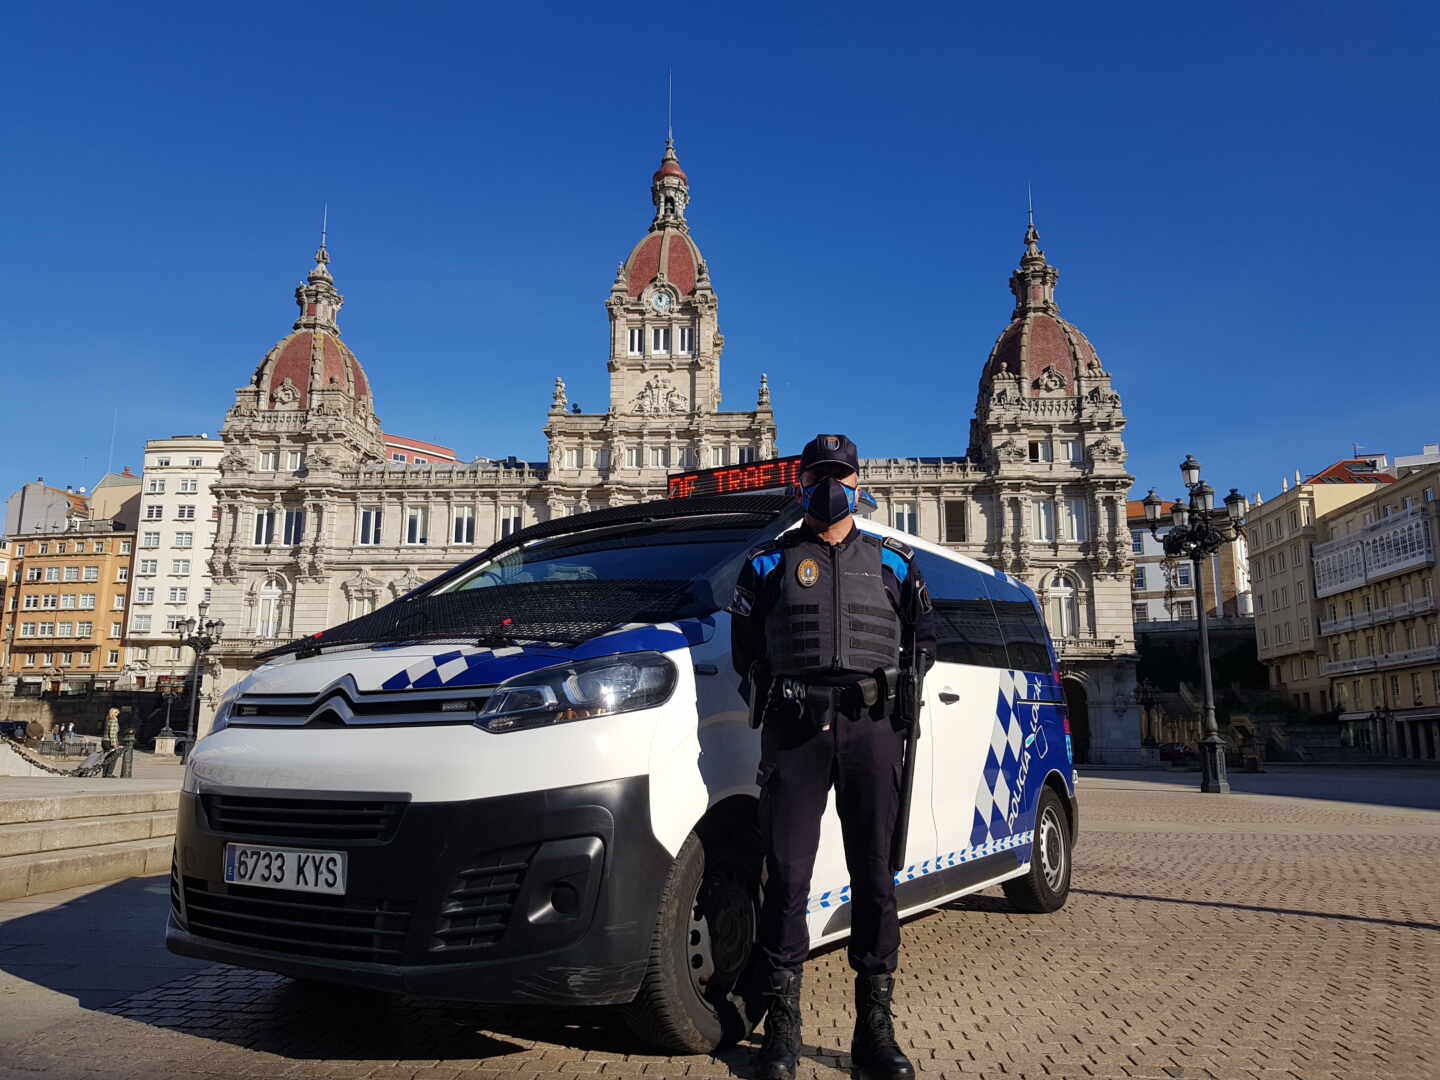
pixel 1033 283
pixel 670 192
pixel 319 301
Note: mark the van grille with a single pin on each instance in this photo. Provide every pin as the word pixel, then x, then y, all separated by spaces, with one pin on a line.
pixel 478 907
pixel 297 924
pixel 328 821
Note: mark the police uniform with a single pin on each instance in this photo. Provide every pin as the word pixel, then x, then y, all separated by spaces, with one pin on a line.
pixel 816 633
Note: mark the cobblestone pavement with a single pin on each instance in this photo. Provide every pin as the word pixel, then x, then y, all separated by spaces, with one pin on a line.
pixel 1252 936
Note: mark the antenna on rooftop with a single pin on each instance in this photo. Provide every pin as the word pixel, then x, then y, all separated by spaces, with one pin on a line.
pixel 325 226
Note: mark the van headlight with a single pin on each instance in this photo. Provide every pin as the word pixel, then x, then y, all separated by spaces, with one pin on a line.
pixel 580 690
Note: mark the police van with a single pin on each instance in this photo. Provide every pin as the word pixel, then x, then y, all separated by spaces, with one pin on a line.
pixel 533 779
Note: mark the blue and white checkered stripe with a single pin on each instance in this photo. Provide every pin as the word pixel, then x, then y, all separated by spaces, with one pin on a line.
pixel 833 898
pixel 1002 759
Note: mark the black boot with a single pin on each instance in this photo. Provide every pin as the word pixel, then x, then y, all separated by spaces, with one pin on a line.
pixel 780 1052
pixel 873 1050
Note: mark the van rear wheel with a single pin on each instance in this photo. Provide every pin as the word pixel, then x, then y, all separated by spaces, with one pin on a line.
pixel 704 932
pixel 1046 886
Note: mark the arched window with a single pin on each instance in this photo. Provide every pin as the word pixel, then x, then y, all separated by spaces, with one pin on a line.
pixel 272 599
pixel 1062 606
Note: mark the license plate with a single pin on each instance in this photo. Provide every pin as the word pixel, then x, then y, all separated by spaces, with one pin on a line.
pixel 285 868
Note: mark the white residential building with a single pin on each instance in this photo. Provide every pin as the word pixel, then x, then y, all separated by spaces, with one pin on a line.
pixel 174 540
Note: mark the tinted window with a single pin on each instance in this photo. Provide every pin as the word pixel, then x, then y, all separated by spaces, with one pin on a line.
pixel 965 628
pixel 1020 623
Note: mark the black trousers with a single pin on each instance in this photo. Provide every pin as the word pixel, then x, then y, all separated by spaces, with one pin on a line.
pixel 861 757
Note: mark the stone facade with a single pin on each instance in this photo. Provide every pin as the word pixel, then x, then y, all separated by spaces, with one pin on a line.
pixel 1040 490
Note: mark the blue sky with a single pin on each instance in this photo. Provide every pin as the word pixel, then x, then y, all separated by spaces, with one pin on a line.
pixel 1240 199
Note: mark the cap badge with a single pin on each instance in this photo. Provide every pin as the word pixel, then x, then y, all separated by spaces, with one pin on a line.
pixel 808 572
pixel 830 442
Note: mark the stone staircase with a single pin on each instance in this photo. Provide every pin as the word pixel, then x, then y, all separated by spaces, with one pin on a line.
pixel 58 841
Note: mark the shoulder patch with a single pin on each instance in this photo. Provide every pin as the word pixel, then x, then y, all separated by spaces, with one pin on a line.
pixel 905 550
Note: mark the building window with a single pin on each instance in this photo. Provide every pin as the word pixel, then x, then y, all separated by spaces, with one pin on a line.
pixel 1044 512
pixel 84 629
pixel 293 532
pixel 184 539
pixel 72 573
pixel 67 601
pixel 172 623
pixel 92 573
pixel 1182 574
pixel 27 629
pixel 1183 609
pixel 1072 450
pixel 122 573
pixel 1139 612
pixel 1137 542
pixel 112 658
pixel 1063 606
pixel 189 486
pixel 145 594
pixel 1137 579
pixel 150 539
pixel 154 512
pixel 31 602
pixel 269 611
pixel 462 526
pixel 687 340
pixel 398 458
pixel 632 457
pixel 954 521
pixel 572 459
pixel 1075 522
pixel 87 601
pixel 602 459
pixel 269 460
pixel 293 460
pixel 264 528
pixel 1040 450
pixel 163 461
pixel 660 339
pixel 196 462
pixel 416 521
pixel 720 455
pixel 118 603
pixel 1260 603
pixel 178 594
pixel 155 486
pixel 510 520
pixel 902 516
pixel 372 519
pixel 660 457
pixel 180 566
pixel 637 341
pixel 361 605
pixel 185 512
pixel 747 455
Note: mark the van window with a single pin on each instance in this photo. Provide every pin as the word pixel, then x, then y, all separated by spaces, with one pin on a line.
pixel 966 631
pixel 1020 623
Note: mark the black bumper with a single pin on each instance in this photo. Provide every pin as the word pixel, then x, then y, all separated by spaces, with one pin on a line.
pixel 545 897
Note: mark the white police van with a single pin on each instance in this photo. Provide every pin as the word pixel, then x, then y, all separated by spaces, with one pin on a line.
pixel 533 780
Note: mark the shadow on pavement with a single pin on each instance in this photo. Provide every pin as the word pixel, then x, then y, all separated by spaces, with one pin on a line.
pixel 1411 787
pixel 1408 924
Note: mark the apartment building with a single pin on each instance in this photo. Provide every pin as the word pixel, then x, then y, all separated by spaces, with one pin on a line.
pixel 1377 585
pixel 1163 589
pixel 64 608
pixel 1281 533
pixel 175 539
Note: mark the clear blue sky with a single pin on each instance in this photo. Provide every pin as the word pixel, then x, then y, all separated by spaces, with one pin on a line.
pixel 1241 200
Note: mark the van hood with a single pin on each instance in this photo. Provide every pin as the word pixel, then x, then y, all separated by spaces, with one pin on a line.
pixel 431 666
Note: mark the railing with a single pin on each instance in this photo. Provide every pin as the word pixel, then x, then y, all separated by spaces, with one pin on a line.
pixel 1424 654
pixel 1086 648
pixel 1362 619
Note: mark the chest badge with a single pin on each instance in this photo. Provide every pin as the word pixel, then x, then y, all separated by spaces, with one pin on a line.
pixel 808 572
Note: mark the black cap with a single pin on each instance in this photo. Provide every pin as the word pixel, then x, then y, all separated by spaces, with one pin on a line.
pixel 829 450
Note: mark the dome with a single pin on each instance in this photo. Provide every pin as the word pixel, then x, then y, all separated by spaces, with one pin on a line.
pixel 1047 353
pixel 312 357
pixel 669 248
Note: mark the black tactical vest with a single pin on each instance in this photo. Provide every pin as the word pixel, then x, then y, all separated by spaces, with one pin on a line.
pixel 833 614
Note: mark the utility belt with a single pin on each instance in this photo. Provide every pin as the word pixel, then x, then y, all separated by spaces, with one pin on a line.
pixel 796 701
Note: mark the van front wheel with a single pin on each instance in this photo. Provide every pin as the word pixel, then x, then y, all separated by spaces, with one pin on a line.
pixel 1046 886
pixel 704 932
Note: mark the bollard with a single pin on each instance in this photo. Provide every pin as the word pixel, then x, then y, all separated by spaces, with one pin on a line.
pixel 127 759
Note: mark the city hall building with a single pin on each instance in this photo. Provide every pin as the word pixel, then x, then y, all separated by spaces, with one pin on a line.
pixel 317 524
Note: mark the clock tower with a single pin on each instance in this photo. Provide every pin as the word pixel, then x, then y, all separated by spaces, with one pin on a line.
pixel 665 346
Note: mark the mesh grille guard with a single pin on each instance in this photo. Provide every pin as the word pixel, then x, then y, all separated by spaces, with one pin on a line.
pixel 560 611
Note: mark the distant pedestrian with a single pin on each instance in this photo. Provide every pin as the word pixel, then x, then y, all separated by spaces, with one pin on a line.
pixel 111 738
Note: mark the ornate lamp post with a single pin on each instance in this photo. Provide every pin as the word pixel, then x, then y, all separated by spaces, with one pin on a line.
pixel 1147 696
pixel 201 635
pixel 1199 530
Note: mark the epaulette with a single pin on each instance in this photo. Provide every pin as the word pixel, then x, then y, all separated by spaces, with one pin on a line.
pixel 904 550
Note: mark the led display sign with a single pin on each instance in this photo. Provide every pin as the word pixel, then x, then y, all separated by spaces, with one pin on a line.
pixel 728 479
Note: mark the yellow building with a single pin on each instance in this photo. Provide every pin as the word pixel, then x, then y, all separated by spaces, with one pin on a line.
pixel 64 608
pixel 1376 583
pixel 1280 533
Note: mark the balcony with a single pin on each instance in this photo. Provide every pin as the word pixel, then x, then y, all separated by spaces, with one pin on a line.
pixel 1403 609
pixel 1088 648
pixel 1423 655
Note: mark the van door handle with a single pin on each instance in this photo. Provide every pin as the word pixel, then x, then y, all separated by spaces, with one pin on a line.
pixel 948 696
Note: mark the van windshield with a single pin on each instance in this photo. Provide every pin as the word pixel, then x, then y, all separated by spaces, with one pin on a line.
pixel 670 552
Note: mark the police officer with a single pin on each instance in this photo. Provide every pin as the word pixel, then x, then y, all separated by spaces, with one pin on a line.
pixel 818 619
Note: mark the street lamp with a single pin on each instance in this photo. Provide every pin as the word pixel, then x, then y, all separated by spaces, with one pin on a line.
pixel 201 635
pixel 1199 530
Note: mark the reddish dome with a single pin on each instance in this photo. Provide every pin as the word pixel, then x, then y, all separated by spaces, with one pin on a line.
pixel 670 248
pixel 670 167
pixel 1037 343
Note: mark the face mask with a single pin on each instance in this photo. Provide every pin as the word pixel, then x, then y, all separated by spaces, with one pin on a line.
pixel 829 500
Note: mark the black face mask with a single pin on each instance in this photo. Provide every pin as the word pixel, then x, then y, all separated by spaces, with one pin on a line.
pixel 829 500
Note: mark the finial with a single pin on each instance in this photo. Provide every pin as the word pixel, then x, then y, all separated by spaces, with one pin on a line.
pixel 323 255
pixel 1032 236
pixel 764 396
pixel 1029 205
pixel 670 108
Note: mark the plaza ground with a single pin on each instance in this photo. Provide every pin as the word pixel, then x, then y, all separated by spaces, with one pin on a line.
pixel 1289 930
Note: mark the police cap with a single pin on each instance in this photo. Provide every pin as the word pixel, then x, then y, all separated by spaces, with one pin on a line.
pixel 829 450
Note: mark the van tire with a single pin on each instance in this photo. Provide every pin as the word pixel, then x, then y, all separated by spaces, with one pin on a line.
pixel 676 1009
pixel 1047 884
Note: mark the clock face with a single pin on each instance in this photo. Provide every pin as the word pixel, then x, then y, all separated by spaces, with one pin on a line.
pixel 662 301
